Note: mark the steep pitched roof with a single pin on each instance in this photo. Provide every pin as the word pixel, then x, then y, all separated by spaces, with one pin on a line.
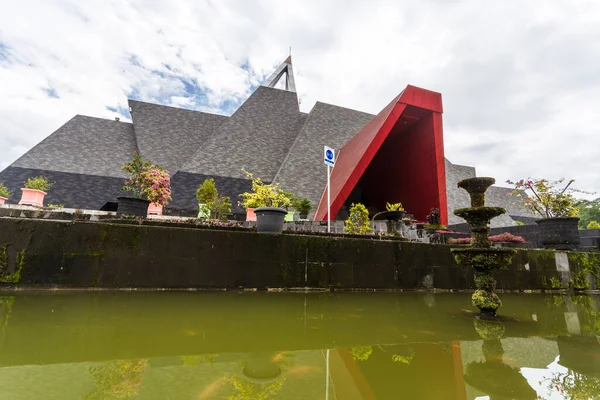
pixel 83 145
pixel 256 137
pixel 169 136
pixel 303 170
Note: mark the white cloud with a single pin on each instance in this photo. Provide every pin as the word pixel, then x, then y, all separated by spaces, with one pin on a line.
pixel 519 78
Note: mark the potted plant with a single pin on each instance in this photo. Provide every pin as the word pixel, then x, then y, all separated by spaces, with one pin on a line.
pixel 558 226
pixel 34 191
pixel 148 183
pixel 303 206
pixel 210 204
pixel 4 193
pixel 393 216
pixel 269 203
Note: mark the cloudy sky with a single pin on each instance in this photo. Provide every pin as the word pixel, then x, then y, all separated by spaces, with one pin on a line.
pixel 520 79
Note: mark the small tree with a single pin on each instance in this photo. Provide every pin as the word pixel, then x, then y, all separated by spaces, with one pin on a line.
pixel 546 198
pixel 358 220
pixel 219 207
pixel 147 181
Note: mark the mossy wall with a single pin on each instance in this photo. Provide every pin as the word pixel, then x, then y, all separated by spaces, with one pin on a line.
pixel 36 253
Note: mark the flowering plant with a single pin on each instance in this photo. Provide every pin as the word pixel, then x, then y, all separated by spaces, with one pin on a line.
pixel 147 181
pixel 545 198
pixel 503 237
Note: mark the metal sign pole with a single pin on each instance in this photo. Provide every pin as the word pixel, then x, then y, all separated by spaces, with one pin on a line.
pixel 328 199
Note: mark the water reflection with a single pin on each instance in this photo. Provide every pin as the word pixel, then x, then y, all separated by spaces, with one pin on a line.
pixel 295 346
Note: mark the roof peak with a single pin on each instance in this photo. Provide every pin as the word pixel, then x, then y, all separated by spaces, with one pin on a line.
pixel 284 68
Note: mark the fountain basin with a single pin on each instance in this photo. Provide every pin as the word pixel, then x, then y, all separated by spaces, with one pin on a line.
pixel 479 215
pixel 483 259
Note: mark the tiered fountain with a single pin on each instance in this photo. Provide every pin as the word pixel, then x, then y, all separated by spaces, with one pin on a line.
pixel 480 254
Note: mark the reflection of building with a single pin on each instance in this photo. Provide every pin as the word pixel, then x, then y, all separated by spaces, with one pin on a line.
pixel 395 156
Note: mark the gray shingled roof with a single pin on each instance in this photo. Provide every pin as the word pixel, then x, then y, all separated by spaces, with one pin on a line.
pixel 169 136
pixel 303 171
pixel 84 145
pixel 256 137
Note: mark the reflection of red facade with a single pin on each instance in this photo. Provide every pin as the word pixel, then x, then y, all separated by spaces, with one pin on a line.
pixel 397 157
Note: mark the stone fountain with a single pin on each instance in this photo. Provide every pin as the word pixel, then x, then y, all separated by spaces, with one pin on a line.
pixel 480 254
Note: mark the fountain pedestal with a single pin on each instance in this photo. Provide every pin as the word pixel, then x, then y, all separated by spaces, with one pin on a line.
pixel 480 254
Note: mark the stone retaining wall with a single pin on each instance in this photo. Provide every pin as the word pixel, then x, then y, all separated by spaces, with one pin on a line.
pixel 42 253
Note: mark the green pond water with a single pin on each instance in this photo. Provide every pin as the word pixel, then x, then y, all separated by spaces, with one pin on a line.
pixel 218 345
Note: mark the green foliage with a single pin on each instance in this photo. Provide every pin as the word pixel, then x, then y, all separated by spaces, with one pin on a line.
pixel 358 221
pixel 547 198
pixel 361 353
pixel 394 207
pixel 217 207
pixel 555 283
pixel 38 183
pixel 520 223
pixel 207 192
pixel 55 206
pixel 593 225
pixel 264 195
pixel 303 205
pixel 4 192
pixel 15 277
pixel 589 210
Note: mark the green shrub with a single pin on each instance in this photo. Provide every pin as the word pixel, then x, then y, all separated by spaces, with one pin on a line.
pixel 38 183
pixel 219 207
pixel 358 221
pixel 4 192
pixel 303 205
pixel 591 225
pixel 264 195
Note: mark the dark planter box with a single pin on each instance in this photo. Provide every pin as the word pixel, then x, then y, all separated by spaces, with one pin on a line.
pixel 132 206
pixel 559 233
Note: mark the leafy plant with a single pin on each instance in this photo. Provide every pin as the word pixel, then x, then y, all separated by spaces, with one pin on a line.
pixel 147 181
pixel 303 205
pixel 207 192
pixel 38 183
pixel 4 192
pixel 56 206
pixel 217 207
pixel 358 220
pixel 593 225
pixel 434 218
pixel 546 198
pixel 394 207
pixel 264 195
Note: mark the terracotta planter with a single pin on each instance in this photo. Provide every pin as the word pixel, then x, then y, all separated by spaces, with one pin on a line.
pixel 250 215
pixel 155 209
pixel 132 206
pixel 3 200
pixel 32 197
pixel 559 233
